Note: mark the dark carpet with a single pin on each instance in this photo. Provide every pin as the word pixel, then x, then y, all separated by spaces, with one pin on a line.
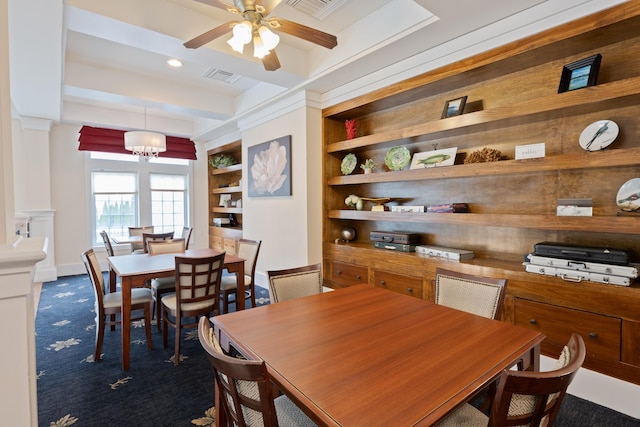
pixel 75 390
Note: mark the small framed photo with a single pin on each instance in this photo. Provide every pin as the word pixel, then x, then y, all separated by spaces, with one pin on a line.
pixel 454 107
pixel 435 158
pixel 579 74
pixel 225 199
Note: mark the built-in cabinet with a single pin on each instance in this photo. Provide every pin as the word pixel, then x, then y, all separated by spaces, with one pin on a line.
pixel 512 100
pixel 225 183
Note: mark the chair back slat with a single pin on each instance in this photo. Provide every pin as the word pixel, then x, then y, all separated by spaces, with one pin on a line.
pixel 157 247
pixel 483 296
pixel 107 243
pixel 186 234
pixel 198 279
pixel 152 237
pixel 90 260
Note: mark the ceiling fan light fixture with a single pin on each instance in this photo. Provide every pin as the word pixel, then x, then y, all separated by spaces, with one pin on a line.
pixel 236 44
pixel 269 38
pixel 243 32
pixel 259 49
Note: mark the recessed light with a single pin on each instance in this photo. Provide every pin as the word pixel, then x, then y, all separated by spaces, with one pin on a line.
pixel 174 63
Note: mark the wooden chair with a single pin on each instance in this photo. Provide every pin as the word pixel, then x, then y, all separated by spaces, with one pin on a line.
pixel 111 303
pixel 163 285
pixel 107 243
pixel 483 296
pixel 526 397
pixel 148 237
pixel 197 293
pixel 247 396
pixel 186 235
pixel 248 250
pixel 137 231
pixel 295 282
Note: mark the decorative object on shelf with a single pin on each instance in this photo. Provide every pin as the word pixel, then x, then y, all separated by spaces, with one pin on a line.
pixel 270 168
pixel 222 161
pixel 448 208
pixel 431 159
pixel 579 74
pixel 599 135
pixel 354 201
pixel 445 253
pixel 484 155
pixel 405 208
pixel 378 203
pixel 350 126
pixel 348 164
pixel 368 166
pixel 628 198
pixel 224 200
pixel 454 107
pixel 397 158
pixel 233 222
pixel 530 151
pixel 574 207
pixel 348 234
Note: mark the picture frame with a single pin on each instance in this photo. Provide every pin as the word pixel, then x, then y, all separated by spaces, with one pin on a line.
pixel 580 74
pixel 434 158
pixel 224 200
pixel 269 168
pixel 454 107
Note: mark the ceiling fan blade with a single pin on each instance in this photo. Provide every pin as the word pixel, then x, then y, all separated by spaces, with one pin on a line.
pixel 220 5
pixel 302 31
pixel 270 61
pixel 210 35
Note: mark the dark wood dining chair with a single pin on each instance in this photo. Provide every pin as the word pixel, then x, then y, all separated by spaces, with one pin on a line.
pixel 483 296
pixel 197 293
pixel 526 397
pixel 247 250
pixel 247 395
pixel 295 282
pixel 107 243
pixel 163 285
pixel 111 303
pixel 149 237
pixel 137 231
pixel 186 235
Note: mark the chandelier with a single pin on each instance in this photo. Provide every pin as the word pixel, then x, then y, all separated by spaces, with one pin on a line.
pixel 264 40
pixel 144 143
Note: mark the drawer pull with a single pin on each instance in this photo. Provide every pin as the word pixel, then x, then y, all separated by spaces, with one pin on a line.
pixel 593 335
pixel 358 277
pixel 338 272
pixel 533 321
pixel 409 290
pixel 383 283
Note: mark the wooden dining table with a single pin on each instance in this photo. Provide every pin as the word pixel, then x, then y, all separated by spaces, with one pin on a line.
pixel 134 270
pixel 366 356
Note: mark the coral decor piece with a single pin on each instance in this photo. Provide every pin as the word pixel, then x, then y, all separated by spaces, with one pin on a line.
pixel 350 125
pixel 270 168
pixel 484 155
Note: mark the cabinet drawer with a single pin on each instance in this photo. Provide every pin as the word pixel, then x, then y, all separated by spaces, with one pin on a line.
pixel 406 285
pixel 601 334
pixel 349 274
pixel 215 242
pixel 230 246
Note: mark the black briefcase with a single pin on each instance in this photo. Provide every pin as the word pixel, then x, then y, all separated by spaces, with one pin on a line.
pixel 393 237
pixel 583 253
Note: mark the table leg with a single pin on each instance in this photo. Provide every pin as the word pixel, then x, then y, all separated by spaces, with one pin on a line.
pixel 112 288
pixel 126 321
pixel 240 296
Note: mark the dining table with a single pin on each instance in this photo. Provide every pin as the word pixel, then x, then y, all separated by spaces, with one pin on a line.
pixel 367 356
pixel 135 270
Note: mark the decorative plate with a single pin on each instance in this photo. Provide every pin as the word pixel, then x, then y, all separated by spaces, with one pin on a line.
pixel 348 164
pixel 397 158
pixel 628 198
pixel 599 135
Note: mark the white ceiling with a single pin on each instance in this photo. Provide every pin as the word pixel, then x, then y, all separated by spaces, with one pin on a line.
pixel 103 63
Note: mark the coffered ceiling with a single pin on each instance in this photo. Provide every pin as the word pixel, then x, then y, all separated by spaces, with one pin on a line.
pixel 104 63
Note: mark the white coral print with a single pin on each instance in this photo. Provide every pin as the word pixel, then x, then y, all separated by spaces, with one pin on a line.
pixel 267 168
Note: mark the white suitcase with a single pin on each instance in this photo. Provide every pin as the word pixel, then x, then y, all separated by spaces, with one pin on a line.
pixel 630 271
pixel 577 275
pixel 446 253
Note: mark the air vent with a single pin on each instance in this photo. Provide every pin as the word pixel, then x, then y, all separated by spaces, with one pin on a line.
pixel 319 9
pixel 221 75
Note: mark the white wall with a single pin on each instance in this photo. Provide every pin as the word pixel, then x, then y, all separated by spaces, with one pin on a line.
pixel 290 227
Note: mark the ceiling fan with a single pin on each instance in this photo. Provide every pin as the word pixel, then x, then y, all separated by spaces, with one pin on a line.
pixel 256 27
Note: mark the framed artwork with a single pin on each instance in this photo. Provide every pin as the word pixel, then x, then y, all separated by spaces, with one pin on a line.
pixel 434 158
pixel 580 74
pixel 270 168
pixel 224 200
pixel 454 107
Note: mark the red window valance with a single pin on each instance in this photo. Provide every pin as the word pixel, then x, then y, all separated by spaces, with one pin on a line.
pixel 112 141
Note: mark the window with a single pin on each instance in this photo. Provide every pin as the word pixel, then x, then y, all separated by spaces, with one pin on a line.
pixel 168 202
pixel 130 192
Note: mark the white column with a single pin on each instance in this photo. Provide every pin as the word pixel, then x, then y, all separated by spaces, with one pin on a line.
pixel 41 225
pixel 18 390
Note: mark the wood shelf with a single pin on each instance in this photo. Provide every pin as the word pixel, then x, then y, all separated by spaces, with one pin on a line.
pixel 573 161
pixel 233 168
pixel 605 224
pixel 568 103
pixel 225 190
pixel 227 210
